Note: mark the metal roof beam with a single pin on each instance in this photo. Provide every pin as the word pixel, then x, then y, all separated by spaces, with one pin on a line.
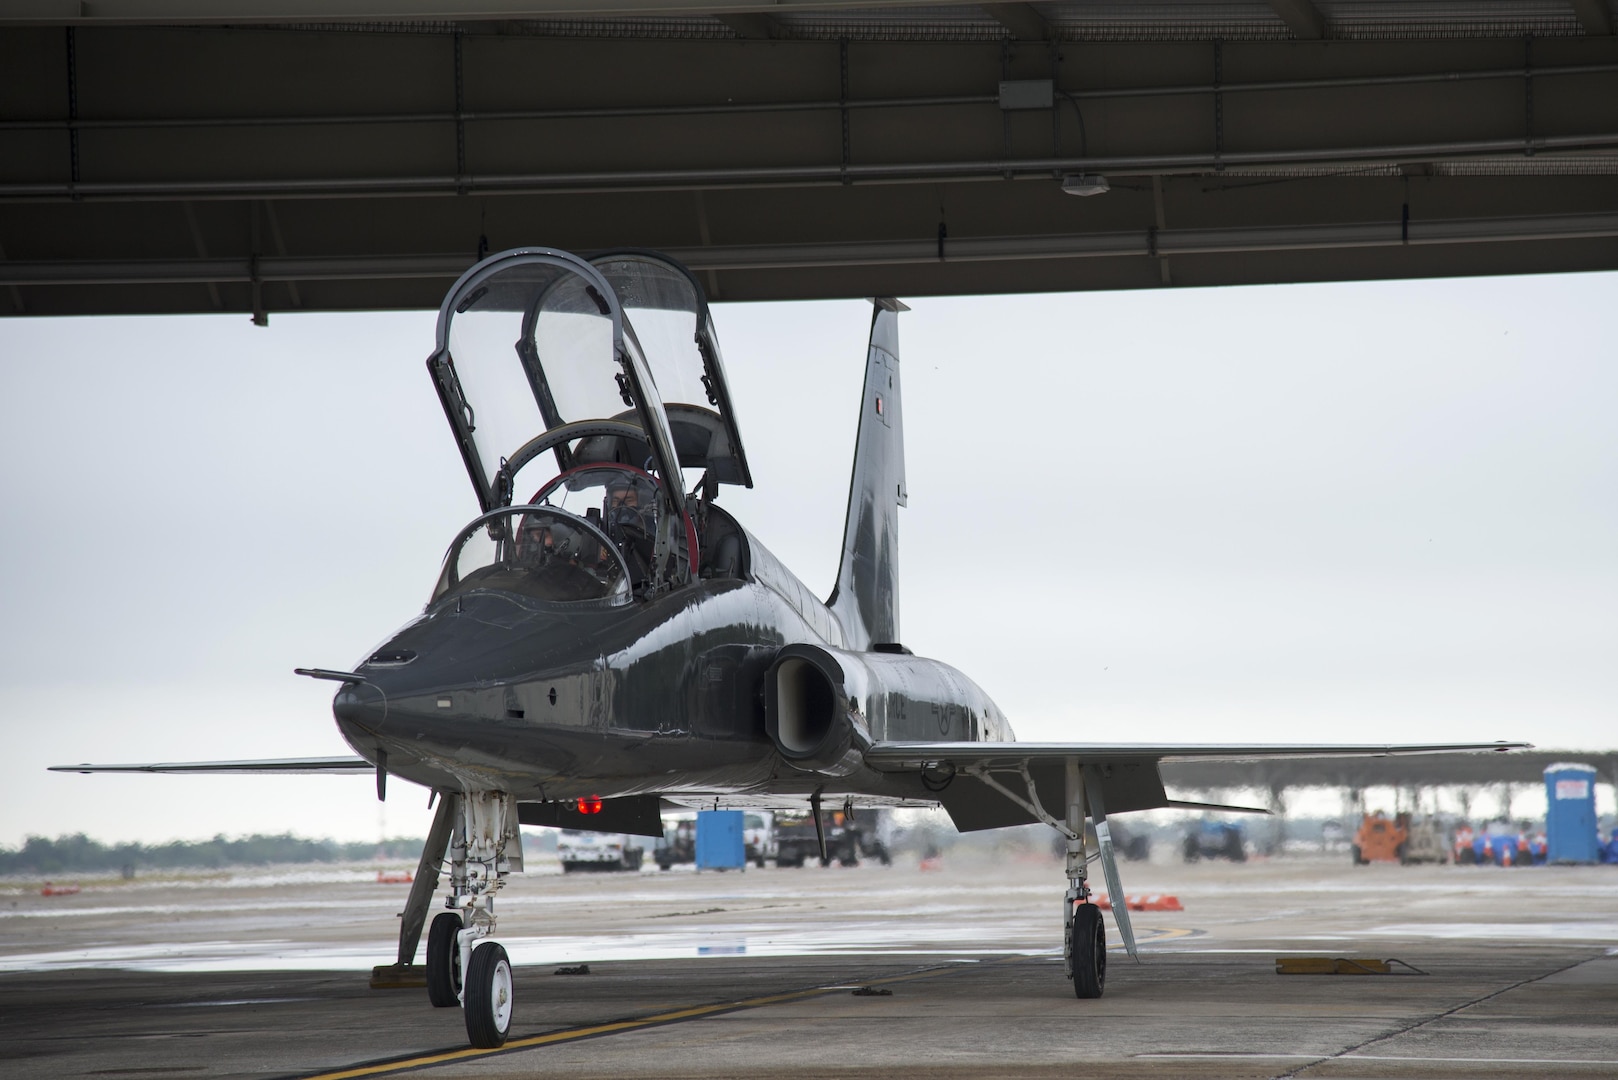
pixel 1023 20
pixel 1137 243
pixel 804 174
pixel 1304 19
pixel 202 12
pixel 1594 16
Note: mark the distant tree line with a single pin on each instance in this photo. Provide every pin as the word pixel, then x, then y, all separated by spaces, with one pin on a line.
pixel 79 854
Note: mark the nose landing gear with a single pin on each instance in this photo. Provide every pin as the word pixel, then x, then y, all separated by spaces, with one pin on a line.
pixel 488 996
pixel 465 966
pixel 444 960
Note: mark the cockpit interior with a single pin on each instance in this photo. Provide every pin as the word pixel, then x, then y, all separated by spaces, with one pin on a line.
pixel 598 385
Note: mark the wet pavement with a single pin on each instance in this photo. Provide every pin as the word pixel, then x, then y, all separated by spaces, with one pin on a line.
pixel 264 974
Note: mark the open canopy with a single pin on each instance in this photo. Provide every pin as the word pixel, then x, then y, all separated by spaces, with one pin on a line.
pixel 541 354
pixel 669 318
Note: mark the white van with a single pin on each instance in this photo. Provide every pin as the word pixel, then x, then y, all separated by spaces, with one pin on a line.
pixel 758 834
pixel 598 851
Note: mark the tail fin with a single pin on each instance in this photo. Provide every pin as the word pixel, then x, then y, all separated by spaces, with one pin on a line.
pixel 866 599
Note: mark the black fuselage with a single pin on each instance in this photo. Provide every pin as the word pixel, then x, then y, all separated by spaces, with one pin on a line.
pixel 658 696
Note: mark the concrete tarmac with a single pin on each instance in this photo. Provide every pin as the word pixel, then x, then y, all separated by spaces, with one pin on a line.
pixel 264 974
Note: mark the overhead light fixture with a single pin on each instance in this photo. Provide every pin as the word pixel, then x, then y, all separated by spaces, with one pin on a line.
pixel 1085 184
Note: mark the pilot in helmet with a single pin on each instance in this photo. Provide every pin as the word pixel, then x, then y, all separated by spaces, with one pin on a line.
pixel 629 523
pixel 534 540
pixel 627 503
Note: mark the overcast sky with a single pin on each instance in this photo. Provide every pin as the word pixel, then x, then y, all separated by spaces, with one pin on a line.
pixel 1373 512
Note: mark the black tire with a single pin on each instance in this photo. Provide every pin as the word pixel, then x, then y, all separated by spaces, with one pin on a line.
pixel 444 961
pixel 1086 948
pixel 1358 861
pixel 488 996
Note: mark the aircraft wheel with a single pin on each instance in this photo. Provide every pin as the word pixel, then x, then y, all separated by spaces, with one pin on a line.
pixel 444 961
pixel 1087 951
pixel 488 996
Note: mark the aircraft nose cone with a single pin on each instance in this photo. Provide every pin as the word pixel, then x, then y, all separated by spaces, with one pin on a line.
pixel 360 707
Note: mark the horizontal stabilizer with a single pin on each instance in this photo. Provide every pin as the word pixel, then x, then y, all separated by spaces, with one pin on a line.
pixel 261 765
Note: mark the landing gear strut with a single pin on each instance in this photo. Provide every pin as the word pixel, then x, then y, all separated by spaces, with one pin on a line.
pixel 1084 937
pixel 464 965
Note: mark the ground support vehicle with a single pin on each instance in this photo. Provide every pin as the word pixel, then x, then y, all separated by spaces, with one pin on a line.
pixel 1425 842
pixel 1380 839
pixel 758 834
pixel 1216 840
pixel 597 851
pixel 797 841
pixel 679 843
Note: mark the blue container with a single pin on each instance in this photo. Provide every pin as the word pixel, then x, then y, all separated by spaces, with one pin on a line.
pixel 1570 813
pixel 720 844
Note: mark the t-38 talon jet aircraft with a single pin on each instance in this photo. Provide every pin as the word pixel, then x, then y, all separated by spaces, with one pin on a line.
pixel 613 641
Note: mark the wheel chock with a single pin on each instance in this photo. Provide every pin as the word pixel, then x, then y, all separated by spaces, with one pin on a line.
pixel 398 977
pixel 1341 965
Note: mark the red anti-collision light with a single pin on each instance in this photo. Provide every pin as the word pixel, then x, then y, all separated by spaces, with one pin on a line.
pixel 591 805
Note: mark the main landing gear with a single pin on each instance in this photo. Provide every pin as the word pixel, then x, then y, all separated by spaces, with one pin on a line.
pixel 1084 936
pixel 465 966
pixel 1084 950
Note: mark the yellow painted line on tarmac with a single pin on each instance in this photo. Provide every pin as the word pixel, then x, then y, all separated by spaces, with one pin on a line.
pixel 675 1016
pixel 1156 934
pixel 657 1019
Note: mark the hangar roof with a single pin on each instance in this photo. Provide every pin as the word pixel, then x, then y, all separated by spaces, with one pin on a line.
pixel 254 155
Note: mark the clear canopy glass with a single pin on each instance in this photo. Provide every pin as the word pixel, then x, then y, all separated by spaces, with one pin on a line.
pixel 538 552
pixel 621 501
pixel 532 341
pixel 663 306
pixel 667 316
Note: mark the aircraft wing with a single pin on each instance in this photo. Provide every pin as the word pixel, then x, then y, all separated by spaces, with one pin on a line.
pixel 967 777
pixel 261 765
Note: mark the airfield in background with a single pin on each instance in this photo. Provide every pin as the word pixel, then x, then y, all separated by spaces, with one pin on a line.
pixel 762 966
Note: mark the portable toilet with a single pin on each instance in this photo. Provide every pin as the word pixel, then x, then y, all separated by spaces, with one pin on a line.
pixel 1570 813
pixel 720 844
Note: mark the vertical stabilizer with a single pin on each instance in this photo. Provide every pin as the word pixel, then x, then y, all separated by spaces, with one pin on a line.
pixel 866 599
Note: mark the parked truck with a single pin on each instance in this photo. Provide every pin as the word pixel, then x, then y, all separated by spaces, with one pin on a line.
pixel 848 838
pixel 679 843
pixel 758 834
pixel 598 851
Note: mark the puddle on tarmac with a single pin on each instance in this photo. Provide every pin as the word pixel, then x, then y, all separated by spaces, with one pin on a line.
pixel 219 956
